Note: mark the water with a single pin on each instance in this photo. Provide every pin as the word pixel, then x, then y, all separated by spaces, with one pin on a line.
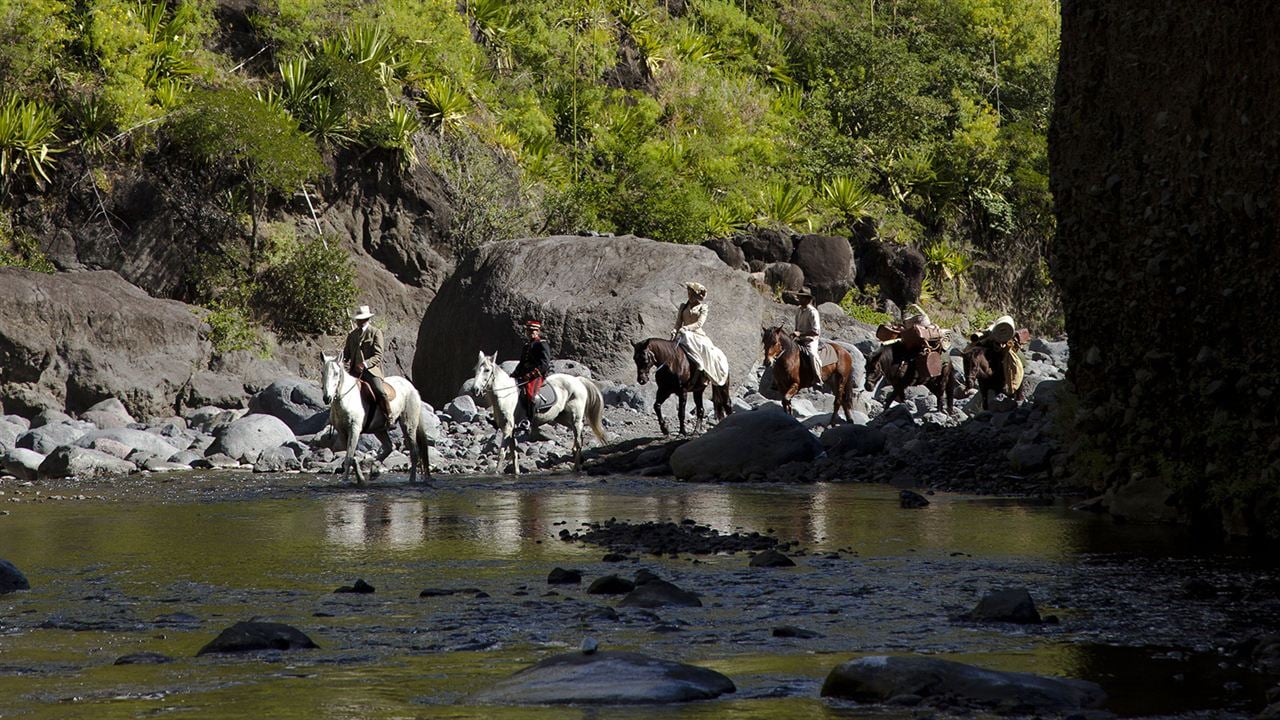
pixel 164 566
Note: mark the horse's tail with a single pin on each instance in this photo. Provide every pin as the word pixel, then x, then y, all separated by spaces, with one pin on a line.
pixel 720 399
pixel 595 409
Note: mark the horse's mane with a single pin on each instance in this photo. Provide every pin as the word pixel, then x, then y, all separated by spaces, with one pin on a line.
pixel 667 352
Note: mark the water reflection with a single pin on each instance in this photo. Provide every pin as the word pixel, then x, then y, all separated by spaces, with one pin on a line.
pixel 361 520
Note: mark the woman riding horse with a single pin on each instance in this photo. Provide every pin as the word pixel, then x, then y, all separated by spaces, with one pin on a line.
pixel 675 375
pixel 689 335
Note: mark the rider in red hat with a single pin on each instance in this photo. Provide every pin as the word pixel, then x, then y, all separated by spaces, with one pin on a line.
pixel 534 366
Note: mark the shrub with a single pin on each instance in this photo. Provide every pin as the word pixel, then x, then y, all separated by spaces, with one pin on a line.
pixel 19 249
pixel 28 130
pixel 230 329
pixel 310 291
pixel 853 307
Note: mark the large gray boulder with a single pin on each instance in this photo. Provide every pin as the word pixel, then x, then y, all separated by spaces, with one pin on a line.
pixel 132 439
pixel 109 413
pixel 298 403
pixel 606 678
pixel 9 432
pixel 745 444
pixel 247 438
pixel 47 438
pixel 879 678
pixel 596 296
pixel 72 339
pixel 83 462
pixel 827 263
pixel 22 463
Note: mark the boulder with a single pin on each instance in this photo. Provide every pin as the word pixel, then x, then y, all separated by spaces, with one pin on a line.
pixel 1013 605
pixel 654 593
pixel 49 416
pixel 568 367
pixel 47 438
pixel 610 585
pixel 81 337
pixel 910 500
pixel 853 440
pixel 771 559
pixel 11 578
pixel 247 438
pixel 82 462
pixel 606 678
pixel 359 587
pixel 728 252
pixel 827 263
pixel 745 444
pixel 1058 353
pixel 784 277
pixel 1029 457
pixel 9 433
pixel 596 296
pixel 143 658
pixel 109 413
pixel 22 463
pixel 253 636
pixel 765 245
pixel 461 409
pixel 277 459
pixel 791 631
pixel 131 439
pixel 298 403
pixel 879 678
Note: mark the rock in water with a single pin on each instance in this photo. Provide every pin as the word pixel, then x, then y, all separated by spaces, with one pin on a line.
pixel 745 444
pixel 252 636
pixel 607 678
pixel 1009 605
pixel 360 588
pixel 910 499
pixel 143 658
pixel 11 578
pixel 560 576
pixel 790 631
pixel 660 593
pixel 610 585
pixel 878 678
pixel 771 559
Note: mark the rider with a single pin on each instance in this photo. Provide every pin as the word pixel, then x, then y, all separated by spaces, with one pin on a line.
pixel 363 356
pixel 534 367
pixel 808 328
pixel 688 332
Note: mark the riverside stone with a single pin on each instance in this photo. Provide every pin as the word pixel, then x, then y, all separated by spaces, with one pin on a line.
pixel 247 438
pixel 130 438
pixel 253 636
pixel 300 404
pixel 11 578
pixel 71 461
pixel 606 678
pixel 744 444
pixel 23 464
pixel 109 413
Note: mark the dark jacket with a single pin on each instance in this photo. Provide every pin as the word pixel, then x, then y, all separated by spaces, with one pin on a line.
pixel 536 356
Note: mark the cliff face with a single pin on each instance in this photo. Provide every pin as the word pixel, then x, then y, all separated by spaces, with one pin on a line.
pixel 1165 171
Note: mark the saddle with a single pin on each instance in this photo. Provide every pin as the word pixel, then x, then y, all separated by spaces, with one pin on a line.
pixel 545 399
pixel 826 353
pixel 373 418
pixel 927 358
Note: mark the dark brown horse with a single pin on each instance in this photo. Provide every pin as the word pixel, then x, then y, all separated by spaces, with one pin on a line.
pixel 675 376
pixel 984 368
pixel 893 365
pixel 792 372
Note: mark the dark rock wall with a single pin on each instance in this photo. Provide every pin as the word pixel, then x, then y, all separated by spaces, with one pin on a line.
pixel 1165 172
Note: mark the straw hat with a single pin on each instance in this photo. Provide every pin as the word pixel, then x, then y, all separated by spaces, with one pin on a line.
pixel 364 313
pixel 697 287
pixel 805 293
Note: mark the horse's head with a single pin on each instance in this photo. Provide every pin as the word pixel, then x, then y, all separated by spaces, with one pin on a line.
pixel 486 371
pixel 644 360
pixel 331 373
pixel 771 343
pixel 976 366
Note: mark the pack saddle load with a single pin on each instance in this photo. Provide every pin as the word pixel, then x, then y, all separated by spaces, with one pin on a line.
pixel 1002 336
pixel 918 340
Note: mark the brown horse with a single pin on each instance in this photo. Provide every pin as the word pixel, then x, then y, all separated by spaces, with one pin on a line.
pixel 985 369
pixel 792 372
pixel 898 368
pixel 675 376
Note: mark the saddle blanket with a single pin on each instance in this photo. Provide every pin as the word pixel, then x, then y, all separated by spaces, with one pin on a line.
pixel 545 398
pixel 826 353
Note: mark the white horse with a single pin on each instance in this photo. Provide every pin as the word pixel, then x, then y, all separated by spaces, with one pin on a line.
pixel 346 415
pixel 576 398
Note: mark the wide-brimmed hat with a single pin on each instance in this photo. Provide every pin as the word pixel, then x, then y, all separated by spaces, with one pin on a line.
pixel 363 313
pixel 697 287
pixel 804 293
pixel 532 324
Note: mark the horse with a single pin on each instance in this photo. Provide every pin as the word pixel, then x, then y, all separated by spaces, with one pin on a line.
pixel 987 372
pixel 792 372
pixel 902 374
pixel 346 415
pixel 674 376
pixel 576 399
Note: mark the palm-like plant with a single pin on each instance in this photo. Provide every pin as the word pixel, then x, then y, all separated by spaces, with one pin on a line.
pixel 726 219
pixel 325 121
pixel 28 131
pixel 443 103
pixel 493 20
pixel 784 204
pixel 948 263
pixel 402 124
pixel 848 198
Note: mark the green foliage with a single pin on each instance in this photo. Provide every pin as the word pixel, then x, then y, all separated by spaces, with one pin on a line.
pixel 854 306
pixel 489 203
pixel 230 329
pixel 784 204
pixel 20 249
pixel 311 290
pixel 444 104
pixel 230 126
pixel 28 131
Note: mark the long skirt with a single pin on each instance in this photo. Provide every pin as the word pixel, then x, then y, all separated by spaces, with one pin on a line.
pixel 709 357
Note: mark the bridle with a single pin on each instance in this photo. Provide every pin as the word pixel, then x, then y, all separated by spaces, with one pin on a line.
pixel 342 379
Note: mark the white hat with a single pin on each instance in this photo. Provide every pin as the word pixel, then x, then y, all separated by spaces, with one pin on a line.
pixel 697 287
pixel 364 313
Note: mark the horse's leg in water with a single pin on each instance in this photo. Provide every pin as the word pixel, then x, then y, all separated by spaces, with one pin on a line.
pixel 353 439
pixel 411 444
pixel 384 452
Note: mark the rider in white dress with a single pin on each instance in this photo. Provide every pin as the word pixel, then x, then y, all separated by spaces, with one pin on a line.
pixel 689 335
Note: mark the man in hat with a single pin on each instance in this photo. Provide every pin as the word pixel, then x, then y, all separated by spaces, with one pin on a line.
pixel 808 329
pixel 363 356
pixel 533 368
